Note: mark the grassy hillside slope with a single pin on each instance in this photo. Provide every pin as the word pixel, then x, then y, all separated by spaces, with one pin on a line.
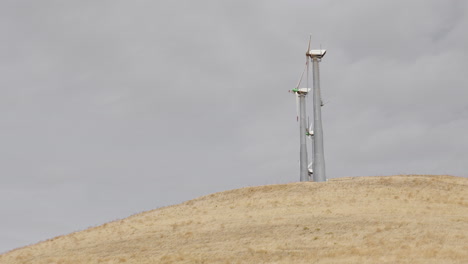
pixel 397 219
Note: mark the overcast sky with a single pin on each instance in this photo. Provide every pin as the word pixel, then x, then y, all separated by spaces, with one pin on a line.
pixel 109 108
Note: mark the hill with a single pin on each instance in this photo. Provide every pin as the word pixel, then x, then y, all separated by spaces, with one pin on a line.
pixel 395 219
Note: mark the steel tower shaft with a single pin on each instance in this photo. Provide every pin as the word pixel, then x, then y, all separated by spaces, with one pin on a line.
pixel 318 165
pixel 304 172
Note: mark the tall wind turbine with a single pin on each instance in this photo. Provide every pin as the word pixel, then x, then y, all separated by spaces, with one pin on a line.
pixel 317 167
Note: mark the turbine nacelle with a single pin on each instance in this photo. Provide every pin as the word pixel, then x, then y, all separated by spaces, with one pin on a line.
pixel 316 53
pixel 301 90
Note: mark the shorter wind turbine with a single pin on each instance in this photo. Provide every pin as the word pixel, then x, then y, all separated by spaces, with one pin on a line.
pixel 301 94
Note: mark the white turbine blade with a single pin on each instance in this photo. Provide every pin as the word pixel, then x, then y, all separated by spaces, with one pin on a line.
pixel 302 75
pixel 297 107
pixel 306 67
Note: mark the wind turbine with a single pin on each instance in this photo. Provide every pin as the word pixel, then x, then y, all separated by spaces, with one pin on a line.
pixel 316 168
pixel 301 94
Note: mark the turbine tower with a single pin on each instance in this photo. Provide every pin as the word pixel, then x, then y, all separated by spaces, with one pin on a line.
pixel 301 94
pixel 315 168
pixel 318 165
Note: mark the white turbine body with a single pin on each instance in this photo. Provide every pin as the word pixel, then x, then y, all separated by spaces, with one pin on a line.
pixel 301 94
pixel 318 165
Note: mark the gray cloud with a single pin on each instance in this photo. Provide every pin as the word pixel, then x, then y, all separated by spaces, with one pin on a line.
pixel 110 108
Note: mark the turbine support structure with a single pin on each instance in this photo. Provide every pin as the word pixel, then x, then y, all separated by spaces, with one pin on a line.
pixel 318 164
pixel 304 172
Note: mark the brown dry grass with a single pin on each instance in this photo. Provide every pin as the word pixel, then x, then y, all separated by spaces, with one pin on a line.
pixel 397 219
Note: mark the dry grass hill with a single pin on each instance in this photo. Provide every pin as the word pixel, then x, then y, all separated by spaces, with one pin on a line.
pixel 397 219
